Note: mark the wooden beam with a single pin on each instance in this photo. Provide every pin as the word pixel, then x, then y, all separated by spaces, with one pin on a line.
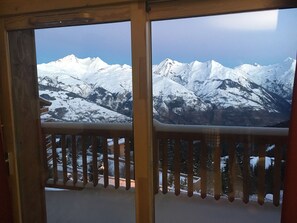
pixel 142 107
pixel 64 18
pixel 189 8
pixel 25 100
pixel 19 7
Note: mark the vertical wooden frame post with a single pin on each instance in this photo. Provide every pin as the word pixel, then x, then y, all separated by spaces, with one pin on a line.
pixel 142 106
pixel 289 214
pixel 6 113
pixel 5 205
pixel 25 100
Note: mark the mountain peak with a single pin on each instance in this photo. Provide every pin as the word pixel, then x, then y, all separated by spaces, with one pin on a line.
pixel 167 61
pixel 213 63
pixel 256 65
pixel 166 66
pixel 69 58
pixel 289 60
pixel 98 60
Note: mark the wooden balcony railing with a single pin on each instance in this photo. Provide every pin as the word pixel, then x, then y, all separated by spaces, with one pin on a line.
pixel 77 154
pixel 234 162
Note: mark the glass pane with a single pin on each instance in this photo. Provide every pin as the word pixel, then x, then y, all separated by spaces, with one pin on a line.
pixel 85 72
pixel 232 69
pixel 85 90
pixel 222 88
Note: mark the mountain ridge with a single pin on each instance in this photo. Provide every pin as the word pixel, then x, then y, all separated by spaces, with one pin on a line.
pixel 179 89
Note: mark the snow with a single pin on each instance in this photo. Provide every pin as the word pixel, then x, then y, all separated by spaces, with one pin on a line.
pixel 270 148
pixel 119 206
pixel 255 159
pixel 118 78
pixel 245 86
pixel 110 142
pixel 80 109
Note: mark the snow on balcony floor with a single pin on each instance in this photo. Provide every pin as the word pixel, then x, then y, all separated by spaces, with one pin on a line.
pixel 110 205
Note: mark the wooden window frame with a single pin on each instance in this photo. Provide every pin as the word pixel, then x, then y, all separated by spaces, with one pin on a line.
pixel 46 14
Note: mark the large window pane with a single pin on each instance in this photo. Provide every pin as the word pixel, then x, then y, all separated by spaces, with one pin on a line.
pixel 85 72
pixel 85 89
pixel 225 70
pixel 222 87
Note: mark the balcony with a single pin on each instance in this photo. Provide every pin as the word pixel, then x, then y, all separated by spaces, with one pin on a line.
pixel 227 167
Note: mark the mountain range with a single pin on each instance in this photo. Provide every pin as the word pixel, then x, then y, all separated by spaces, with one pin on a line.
pixel 90 90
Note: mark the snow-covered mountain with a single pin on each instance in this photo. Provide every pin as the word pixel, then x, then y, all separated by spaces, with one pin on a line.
pixel 189 93
pixel 68 106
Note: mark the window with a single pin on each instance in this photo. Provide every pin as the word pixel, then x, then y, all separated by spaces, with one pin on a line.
pixel 216 80
pixel 231 70
pixel 85 72
pixel 85 79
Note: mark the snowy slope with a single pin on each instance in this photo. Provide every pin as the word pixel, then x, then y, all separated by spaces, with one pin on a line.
pixel 69 107
pixel 277 78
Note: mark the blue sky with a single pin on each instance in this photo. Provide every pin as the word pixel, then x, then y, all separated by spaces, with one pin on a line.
pixel 111 42
pixel 262 37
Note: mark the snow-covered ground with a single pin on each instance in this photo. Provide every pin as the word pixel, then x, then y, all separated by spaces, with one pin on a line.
pixel 110 205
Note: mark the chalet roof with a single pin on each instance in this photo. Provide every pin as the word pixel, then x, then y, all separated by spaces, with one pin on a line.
pixel 43 102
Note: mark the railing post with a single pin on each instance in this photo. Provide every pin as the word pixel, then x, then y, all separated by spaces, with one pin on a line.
pixel 190 168
pixel 217 165
pixel 261 174
pixel 64 159
pixel 84 159
pixel 156 161
pixel 94 173
pixel 246 172
pixel 116 162
pixel 277 173
pixel 232 169
pixel 164 165
pixel 203 168
pixel 74 159
pixel 105 162
pixel 176 167
pixel 54 157
pixel 127 163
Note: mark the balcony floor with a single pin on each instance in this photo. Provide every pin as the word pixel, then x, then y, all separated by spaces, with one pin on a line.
pixel 110 205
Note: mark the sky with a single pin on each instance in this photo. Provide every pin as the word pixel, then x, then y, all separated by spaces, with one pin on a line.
pixel 264 38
